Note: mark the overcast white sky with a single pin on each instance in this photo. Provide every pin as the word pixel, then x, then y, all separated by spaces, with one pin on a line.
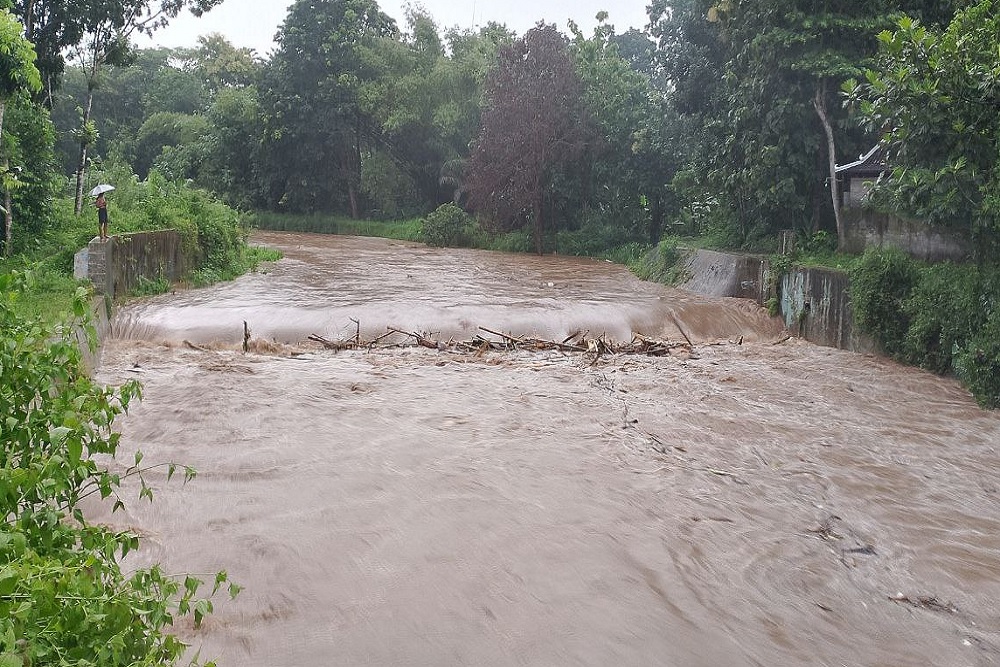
pixel 252 23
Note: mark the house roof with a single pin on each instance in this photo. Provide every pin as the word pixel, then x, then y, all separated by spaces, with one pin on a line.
pixel 871 163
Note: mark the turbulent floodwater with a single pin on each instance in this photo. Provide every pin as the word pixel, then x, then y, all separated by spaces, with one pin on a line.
pixel 770 503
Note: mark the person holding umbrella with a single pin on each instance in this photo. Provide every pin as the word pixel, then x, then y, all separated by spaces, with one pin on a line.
pixel 102 209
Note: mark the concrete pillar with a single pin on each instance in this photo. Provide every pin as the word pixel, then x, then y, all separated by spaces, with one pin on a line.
pixel 99 266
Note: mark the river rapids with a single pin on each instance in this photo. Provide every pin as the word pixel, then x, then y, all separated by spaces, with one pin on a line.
pixel 761 501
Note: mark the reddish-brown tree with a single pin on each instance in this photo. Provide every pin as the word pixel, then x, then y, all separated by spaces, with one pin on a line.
pixel 533 122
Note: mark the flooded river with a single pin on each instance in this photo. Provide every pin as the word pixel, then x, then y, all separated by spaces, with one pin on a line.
pixel 764 503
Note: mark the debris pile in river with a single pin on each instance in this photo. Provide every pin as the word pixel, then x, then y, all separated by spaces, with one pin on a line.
pixel 494 341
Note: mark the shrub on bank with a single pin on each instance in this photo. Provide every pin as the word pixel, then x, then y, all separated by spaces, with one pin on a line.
pixel 941 311
pixel 880 284
pixel 663 263
pixel 448 226
pixel 977 363
pixel 323 223
pixel 942 317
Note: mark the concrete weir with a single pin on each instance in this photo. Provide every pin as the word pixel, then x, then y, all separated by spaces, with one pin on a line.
pixel 814 303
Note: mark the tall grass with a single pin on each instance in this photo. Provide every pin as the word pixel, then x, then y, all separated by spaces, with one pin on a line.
pixel 319 223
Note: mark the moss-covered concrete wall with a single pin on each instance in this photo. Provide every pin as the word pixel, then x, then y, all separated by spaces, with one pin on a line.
pixel 814 303
pixel 869 229
pixel 120 264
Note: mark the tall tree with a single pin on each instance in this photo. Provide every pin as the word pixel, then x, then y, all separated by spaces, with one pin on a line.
pixel 52 26
pixel 472 55
pixel 220 65
pixel 629 166
pixel 107 28
pixel 17 74
pixel 532 124
pixel 933 97
pixel 760 79
pixel 232 148
pixel 313 89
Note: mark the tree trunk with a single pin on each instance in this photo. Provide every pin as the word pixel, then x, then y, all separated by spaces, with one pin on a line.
pixel 8 214
pixel 347 168
pixel 352 194
pixel 8 222
pixel 29 20
pixel 536 211
pixel 819 103
pixel 81 168
pixel 655 217
pixel 356 167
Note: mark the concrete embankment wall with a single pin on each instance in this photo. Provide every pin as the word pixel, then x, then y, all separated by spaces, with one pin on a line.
pixel 933 243
pixel 120 264
pixel 715 273
pixel 814 303
pixel 100 319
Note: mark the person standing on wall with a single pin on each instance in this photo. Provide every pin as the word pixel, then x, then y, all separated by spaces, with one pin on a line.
pixel 102 215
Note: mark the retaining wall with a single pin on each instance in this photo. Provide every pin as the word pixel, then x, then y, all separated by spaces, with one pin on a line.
pixel 715 273
pixel 120 264
pixel 869 229
pixel 814 303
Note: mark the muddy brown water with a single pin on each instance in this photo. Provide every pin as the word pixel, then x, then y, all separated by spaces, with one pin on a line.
pixel 755 504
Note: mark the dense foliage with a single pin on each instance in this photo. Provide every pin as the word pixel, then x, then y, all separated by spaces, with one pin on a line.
pixel 532 126
pixel 934 96
pixel 448 226
pixel 64 597
pixel 942 317
pixel 723 119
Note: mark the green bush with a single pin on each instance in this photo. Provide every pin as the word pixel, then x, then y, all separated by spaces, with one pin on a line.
pixel 448 226
pixel 519 240
pixel 820 243
pixel 64 598
pixel 391 191
pixel 943 315
pixel 664 263
pixel 977 364
pixel 213 234
pixel 150 286
pixel 880 285
pixel 632 255
pixel 321 223
pixel 596 237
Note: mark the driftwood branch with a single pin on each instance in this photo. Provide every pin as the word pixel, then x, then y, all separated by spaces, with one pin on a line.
pixel 422 341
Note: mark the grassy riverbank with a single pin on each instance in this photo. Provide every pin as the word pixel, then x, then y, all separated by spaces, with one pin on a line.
pixel 318 223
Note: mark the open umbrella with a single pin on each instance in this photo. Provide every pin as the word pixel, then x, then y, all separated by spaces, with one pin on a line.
pixel 101 189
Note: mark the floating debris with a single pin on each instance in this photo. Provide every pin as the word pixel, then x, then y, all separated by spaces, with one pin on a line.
pixel 495 341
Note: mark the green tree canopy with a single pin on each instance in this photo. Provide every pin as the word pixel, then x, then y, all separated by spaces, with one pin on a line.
pixel 18 74
pixel 933 95
pixel 318 123
pixel 533 124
